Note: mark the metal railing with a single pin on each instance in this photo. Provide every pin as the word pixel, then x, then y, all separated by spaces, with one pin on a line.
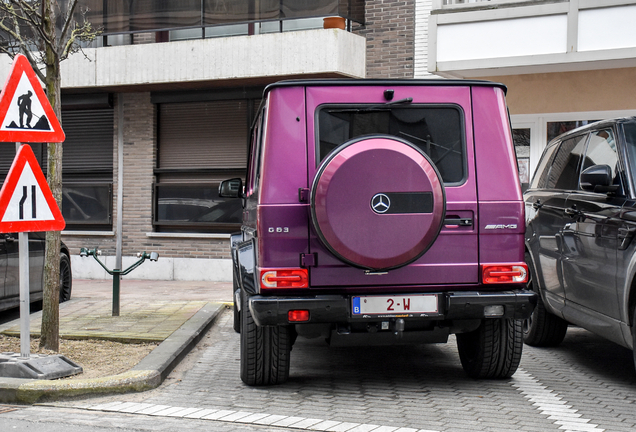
pixel 473 2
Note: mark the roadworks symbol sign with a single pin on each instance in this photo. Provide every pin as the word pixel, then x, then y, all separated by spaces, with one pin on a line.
pixel 25 110
pixel 26 201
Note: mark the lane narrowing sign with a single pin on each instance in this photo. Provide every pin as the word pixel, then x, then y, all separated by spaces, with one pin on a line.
pixel 26 201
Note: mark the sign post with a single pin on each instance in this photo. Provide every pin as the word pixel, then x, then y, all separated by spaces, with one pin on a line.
pixel 26 202
pixel 25 307
pixel 27 205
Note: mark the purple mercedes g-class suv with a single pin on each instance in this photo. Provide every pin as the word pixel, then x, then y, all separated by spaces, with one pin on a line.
pixel 380 212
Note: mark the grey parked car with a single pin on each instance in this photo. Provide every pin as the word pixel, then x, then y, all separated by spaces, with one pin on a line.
pixel 9 270
pixel 580 247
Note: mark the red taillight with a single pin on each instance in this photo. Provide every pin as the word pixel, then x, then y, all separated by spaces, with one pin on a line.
pixel 298 315
pixel 506 273
pixel 284 278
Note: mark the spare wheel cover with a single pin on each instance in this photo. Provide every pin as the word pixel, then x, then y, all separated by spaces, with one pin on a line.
pixel 377 202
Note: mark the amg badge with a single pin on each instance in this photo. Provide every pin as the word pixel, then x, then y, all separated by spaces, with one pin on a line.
pixel 493 226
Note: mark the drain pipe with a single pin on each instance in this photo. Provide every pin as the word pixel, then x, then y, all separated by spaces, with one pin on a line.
pixel 120 180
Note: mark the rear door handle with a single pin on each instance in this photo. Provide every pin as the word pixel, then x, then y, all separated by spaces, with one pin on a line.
pixel 458 222
pixel 573 211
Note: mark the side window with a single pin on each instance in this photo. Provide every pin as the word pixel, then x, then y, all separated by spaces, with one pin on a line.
pixel 254 161
pixel 601 150
pixel 540 178
pixel 566 166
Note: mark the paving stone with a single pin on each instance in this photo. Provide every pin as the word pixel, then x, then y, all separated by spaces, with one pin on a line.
pixel 423 389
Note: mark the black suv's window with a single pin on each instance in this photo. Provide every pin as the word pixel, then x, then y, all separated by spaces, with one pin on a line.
pixel 630 141
pixel 601 150
pixel 566 166
pixel 540 178
pixel 436 130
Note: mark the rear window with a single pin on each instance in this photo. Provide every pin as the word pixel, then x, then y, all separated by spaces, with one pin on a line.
pixel 630 143
pixel 436 130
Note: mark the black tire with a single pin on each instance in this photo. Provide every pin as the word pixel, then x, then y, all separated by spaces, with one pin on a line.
pixel 66 278
pixel 264 350
pixel 493 350
pixel 235 311
pixel 542 329
pixel 634 335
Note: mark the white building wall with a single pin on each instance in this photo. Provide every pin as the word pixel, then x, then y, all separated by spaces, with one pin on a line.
pixel 608 28
pixel 506 37
pixel 422 14
pixel 502 38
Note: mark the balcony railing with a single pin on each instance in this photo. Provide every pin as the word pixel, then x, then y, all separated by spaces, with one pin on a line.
pixel 130 16
pixel 438 3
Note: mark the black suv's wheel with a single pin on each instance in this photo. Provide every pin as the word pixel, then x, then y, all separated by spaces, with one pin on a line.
pixel 493 350
pixel 634 335
pixel 264 350
pixel 66 278
pixel 542 329
pixel 235 310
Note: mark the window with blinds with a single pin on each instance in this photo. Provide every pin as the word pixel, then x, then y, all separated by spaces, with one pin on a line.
pixel 87 168
pixel 205 135
pixel 199 145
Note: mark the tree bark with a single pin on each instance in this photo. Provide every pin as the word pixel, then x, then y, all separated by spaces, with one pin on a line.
pixel 50 303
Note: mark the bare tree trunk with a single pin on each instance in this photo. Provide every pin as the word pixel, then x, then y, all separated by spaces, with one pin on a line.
pixel 50 303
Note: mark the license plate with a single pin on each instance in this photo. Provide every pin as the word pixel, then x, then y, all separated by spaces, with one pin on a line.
pixel 395 304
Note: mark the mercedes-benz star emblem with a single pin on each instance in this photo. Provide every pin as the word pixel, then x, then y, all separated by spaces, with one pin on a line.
pixel 380 203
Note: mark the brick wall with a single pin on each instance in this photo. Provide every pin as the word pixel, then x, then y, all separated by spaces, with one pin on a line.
pixel 144 38
pixel 139 162
pixel 140 153
pixel 390 32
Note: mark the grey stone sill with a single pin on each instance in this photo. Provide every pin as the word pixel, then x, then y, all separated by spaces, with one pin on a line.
pixel 89 233
pixel 187 235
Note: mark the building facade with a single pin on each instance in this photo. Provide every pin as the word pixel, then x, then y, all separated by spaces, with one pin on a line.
pixel 157 112
pixel 565 62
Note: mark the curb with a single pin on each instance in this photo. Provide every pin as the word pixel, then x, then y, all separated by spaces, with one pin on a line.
pixel 149 373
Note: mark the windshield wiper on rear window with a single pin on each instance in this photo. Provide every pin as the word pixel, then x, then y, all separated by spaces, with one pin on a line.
pixel 401 101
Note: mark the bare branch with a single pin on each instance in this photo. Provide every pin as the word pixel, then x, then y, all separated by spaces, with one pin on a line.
pixel 32 17
pixel 20 41
pixel 83 33
pixel 68 19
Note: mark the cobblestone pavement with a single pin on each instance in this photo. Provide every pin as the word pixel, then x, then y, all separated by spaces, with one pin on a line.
pixel 587 384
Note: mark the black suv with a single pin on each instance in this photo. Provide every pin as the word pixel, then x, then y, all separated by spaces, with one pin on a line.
pixel 580 247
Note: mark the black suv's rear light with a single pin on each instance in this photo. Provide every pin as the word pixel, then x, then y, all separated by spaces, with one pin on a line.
pixel 284 278
pixel 504 273
pixel 298 315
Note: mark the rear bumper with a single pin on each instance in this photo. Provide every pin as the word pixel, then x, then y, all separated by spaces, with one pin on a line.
pixel 270 311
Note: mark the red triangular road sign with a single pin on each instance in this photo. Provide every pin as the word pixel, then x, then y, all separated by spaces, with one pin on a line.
pixel 26 201
pixel 25 112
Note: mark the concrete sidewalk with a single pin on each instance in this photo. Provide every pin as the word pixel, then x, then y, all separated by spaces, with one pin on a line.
pixel 174 313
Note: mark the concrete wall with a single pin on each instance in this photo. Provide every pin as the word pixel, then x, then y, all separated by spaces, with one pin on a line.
pixel 213 270
pixel 594 90
pixel 240 57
